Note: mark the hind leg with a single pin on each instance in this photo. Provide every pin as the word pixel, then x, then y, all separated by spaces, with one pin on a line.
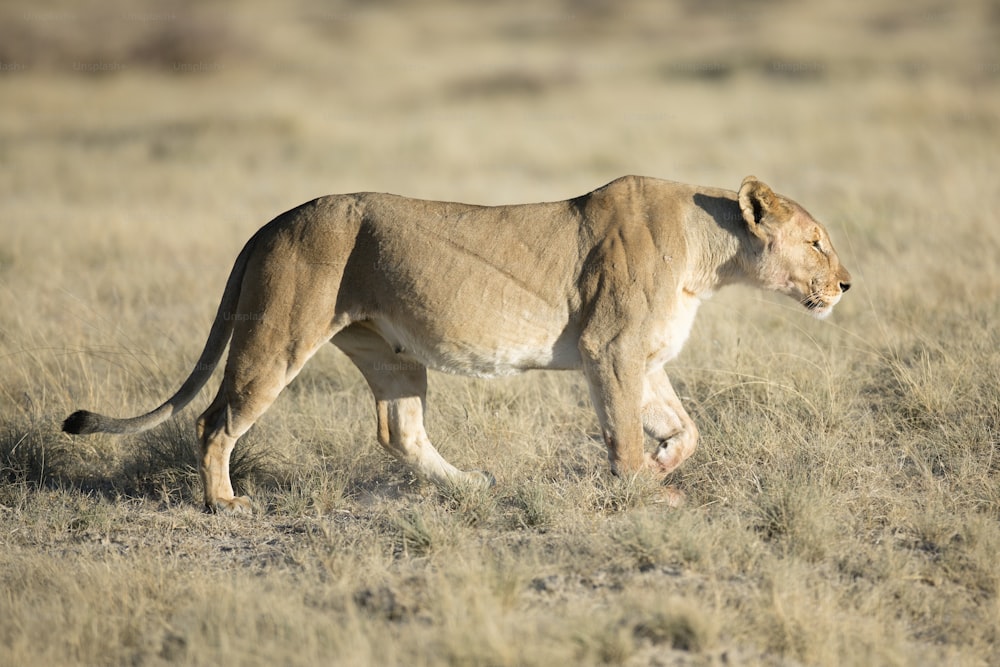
pixel 219 427
pixel 256 371
pixel 400 389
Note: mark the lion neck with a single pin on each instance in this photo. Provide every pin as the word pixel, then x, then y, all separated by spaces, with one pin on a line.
pixel 722 250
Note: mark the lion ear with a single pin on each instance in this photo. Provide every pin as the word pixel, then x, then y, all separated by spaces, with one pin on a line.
pixel 758 202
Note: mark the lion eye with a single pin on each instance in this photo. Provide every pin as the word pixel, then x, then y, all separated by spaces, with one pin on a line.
pixel 817 246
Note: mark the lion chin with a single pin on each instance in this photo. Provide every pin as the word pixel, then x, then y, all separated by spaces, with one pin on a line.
pixel 607 284
pixel 820 312
pixel 821 307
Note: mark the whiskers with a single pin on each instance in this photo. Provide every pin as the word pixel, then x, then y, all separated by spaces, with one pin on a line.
pixel 819 305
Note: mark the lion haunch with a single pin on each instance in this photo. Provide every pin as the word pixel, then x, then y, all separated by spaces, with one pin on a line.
pixel 607 283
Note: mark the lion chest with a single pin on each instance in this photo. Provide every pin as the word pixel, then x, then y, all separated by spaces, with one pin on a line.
pixel 667 338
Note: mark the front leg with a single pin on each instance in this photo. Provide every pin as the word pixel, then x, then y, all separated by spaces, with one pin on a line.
pixel 615 380
pixel 665 420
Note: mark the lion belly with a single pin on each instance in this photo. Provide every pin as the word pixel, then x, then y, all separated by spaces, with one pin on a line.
pixel 481 349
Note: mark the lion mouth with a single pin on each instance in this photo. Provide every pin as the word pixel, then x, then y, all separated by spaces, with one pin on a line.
pixel 818 307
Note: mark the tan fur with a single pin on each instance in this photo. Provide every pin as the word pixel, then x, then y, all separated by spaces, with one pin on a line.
pixel 608 283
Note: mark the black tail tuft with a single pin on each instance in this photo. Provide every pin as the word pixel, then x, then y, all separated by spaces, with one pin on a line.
pixel 82 422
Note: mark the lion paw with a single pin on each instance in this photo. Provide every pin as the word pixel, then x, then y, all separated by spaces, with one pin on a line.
pixel 655 466
pixel 237 505
pixel 474 479
pixel 483 477
pixel 666 459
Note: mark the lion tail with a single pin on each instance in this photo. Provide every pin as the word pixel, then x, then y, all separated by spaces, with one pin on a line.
pixel 84 422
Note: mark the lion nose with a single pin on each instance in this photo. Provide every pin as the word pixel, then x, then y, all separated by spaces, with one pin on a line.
pixel 845 286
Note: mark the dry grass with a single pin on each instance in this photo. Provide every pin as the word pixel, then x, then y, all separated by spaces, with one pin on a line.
pixel 844 506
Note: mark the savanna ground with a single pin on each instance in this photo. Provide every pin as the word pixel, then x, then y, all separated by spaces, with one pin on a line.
pixel 844 504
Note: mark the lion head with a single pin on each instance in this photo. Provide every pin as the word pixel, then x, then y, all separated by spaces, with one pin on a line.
pixel 794 253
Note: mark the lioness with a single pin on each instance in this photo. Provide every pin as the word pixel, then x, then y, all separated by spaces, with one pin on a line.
pixel 607 283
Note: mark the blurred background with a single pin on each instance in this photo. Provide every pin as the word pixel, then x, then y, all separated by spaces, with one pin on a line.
pixel 141 143
pixel 496 102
